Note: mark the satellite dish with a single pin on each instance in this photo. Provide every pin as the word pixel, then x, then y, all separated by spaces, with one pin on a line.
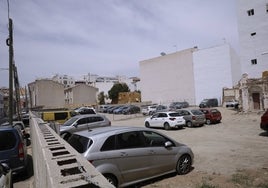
pixel 162 53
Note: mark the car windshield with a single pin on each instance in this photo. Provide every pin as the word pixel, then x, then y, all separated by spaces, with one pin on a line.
pixel 196 112
pixel 70 121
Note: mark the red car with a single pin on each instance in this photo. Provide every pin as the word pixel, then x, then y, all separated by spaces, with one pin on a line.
pixel 264 121
pixel 212 115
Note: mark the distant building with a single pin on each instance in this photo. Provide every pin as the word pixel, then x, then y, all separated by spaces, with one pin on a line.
pixel 46 94
pixel 67 81
pixel 253 36
pixel 80 95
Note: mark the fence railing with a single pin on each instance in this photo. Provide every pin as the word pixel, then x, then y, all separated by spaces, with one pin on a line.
pixel 57 164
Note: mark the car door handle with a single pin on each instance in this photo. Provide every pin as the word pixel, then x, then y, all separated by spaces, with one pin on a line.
pixel 151 152
pixel 123 154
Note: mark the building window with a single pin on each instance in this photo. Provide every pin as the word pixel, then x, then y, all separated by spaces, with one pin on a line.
pixel 250 12
pixel 267 7
pixel 252 34
pixel 254 62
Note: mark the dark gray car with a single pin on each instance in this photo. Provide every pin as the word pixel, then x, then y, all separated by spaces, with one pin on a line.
pixel 128 155
pixel 83 122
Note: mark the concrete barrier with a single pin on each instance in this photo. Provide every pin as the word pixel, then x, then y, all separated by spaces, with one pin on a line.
pixel 57 164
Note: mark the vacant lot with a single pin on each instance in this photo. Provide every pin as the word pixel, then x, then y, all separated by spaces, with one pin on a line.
pixel 233 153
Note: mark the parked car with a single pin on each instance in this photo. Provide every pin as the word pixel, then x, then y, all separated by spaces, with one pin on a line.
pixel 161 108
pixel 167 120
pixel 83 122
pixel 212 115
pixel 132 109
pixel 129 155
pixel 85 110
pixel 231 103
pixel 102 108
pixel 5 176
pixel 111 110
pixel 193 117
pixel 207 103
pixel 148 110
pixel 13 148
pixel 264 121
pixel 120 110
pixel 58 116
pixel 18 124
pixel 178 105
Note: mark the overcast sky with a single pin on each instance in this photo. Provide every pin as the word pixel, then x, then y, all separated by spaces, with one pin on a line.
pixel 107 37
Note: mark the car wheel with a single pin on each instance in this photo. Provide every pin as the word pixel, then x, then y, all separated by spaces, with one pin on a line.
pixel 111 179
pixel 166 126
pixel 65 136
pixel 184 164
pixel 147 124
pixel 189 124
pixel 208 122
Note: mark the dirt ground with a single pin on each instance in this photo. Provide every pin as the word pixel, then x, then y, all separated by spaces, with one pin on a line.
pixel 233 153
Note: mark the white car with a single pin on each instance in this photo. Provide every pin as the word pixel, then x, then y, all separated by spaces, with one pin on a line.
pixel 148 110
pixel 167 120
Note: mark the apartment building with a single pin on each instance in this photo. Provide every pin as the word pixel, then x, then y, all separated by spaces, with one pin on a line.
pixel 46 94
pixel 80 95
pixel 253 36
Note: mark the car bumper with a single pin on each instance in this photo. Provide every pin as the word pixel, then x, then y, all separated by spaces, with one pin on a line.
pixel 264 126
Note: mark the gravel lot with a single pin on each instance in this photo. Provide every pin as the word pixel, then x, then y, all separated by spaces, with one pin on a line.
pixel 233 153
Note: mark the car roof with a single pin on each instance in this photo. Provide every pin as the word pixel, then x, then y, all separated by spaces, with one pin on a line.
pixel 108 130
pixel 88 115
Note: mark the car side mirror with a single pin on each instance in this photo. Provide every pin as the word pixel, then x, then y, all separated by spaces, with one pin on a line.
pixel 75 125
pixel 5 168
pixel 168 144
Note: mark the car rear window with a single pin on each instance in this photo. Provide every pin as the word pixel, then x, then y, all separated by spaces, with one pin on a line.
pixel 214 111
pixel 7 140
pixel 174 114
pixel 80 143
pixel 197 112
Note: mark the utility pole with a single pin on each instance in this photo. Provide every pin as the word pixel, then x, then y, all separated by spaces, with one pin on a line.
pixel 9 43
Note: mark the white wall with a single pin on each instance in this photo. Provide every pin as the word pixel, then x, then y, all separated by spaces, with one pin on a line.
pixel 168 78
pixel 212 72
pixel 253 47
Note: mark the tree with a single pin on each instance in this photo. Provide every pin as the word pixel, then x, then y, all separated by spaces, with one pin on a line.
pixel 101 98
pixel 116 89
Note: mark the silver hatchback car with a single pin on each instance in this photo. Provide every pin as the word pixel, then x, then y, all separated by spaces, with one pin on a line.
pixel 129 155
pixel 83 122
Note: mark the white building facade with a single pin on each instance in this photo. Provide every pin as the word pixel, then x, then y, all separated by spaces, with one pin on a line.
pixel 168 78
pixel 189 75
pixel 253 36
pixel 215 68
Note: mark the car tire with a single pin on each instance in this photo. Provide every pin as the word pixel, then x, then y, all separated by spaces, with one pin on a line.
pixel 111 179
pixel 208 122
pixel 147 124
pixel 189 124
pixel 166 126
pixel 184 164
pixel 65 136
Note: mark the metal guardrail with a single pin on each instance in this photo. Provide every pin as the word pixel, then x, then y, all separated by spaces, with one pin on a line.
pixel 57 164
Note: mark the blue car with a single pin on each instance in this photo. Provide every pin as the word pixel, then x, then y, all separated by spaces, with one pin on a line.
pixel 13 148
